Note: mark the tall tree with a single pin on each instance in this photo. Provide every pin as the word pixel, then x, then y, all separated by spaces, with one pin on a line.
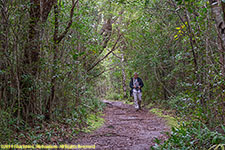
pixel 38 10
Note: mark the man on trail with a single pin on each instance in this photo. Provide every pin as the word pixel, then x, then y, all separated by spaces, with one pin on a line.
pixel 136 84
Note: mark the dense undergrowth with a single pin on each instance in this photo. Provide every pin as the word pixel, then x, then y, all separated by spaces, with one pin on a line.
pixel 190 128
pixel 190 135
pixel 60 131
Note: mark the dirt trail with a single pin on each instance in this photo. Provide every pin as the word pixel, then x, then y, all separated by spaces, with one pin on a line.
pixel 125 129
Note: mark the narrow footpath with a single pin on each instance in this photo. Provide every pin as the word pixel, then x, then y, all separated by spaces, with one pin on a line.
pixel 125 129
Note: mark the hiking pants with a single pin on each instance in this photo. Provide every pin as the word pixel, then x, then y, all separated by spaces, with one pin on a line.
pixel 137 98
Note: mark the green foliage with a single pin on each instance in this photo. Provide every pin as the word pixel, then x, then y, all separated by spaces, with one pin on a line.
pixel 181 103
pixel 94 121
pixel 7 124
pixel 172 44
pixel 171 121
pixel 61 74
pixel 191 135
pixel 129 102
pixel 113 96
pixel 150 105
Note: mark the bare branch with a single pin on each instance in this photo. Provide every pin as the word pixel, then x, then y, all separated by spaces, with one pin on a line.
pixel 47 6
pixel 59 39
pixel 114 47
pixel 101 73
pixel 116 55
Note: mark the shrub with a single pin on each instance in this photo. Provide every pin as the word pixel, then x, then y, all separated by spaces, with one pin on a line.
pixel 6 125
pixel 193 135
pixel 113 96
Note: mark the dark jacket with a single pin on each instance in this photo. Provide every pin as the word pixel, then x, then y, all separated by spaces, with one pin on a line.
pixel 141 84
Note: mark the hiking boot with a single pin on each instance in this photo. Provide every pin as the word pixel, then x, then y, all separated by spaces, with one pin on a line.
pixel 139 104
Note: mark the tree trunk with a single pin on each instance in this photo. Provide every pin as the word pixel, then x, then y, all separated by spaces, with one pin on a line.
pixel 57 39
pixel 3 49
pixel 32 52
pixel 124 78
pixel 31 60
pixel 218 14
pixel 55 58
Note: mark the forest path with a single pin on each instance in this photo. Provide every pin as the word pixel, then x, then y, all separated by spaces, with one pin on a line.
pixel 125 129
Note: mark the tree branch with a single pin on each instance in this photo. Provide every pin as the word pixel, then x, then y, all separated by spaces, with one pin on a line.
pixel 116 55
pixel 100 73
pixel 47 6
pixel 59 39
pixel 114 47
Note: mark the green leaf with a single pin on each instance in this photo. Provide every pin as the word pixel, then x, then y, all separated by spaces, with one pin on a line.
pixel 75 56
